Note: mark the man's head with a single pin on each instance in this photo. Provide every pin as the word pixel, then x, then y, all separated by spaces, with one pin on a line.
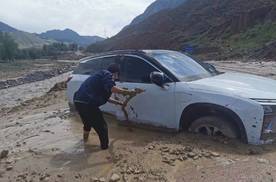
pixel 115 70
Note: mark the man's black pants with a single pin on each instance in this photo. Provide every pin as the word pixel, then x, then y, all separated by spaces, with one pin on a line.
pixel 92 117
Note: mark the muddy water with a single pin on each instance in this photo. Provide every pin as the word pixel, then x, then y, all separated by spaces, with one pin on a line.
pixel 266 69
pixel 45 142
pixel 15 95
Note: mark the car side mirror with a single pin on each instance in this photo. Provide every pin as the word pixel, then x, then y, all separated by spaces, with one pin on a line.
pixel 157 78
pixel 211 68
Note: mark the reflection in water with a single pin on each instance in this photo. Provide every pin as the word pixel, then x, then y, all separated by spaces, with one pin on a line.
pixel 83 156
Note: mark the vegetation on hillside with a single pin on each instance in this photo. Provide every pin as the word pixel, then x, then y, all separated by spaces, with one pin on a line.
pixel 253 39
pixel 9 50
pixel 8 47
pixel 221 30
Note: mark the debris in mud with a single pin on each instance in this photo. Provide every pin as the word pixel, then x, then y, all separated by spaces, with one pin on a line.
pixel 4 154
pixel 9 161
pixel 9 168
pixel 170 155
pixel 136 172
pixel 35 76
pixel 98 179
pixel 214 154
pixel 151 147
pixel 262 161
pixel 1 173
pixel 58 87
pixel 59 176
pixel 254 151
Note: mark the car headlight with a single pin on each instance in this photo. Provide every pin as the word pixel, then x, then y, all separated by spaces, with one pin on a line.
pixel 268 109
pixel 269 123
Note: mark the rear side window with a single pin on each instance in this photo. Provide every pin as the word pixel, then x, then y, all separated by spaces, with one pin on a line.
pixel 136 70
pixel 94 65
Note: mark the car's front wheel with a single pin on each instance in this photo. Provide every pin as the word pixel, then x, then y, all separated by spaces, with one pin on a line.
pixel 214 126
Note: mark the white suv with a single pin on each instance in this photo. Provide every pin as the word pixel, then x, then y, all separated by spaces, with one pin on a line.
pixel 185 94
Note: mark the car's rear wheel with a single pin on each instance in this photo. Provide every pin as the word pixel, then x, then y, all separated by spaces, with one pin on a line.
pixel 214 126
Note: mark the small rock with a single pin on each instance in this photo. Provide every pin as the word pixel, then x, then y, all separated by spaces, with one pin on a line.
pixel 94 180
pixel 9 162
pixel 268 173
pixel 2 173
pixel 137 171
pixel 206 154
pixel 182 158
pixel 214 154
pixel 9 168
pixel 254 151
pixel 191 155
pixel 151 147
pixel 59 176
pixel 165 149
pixel 188 149
pixel 4 154
pixel 46 131
pixel 102 179
pixel 114 178
pixel 263 161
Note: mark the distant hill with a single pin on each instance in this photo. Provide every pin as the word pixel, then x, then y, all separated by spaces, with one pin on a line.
pixel 29 40
pixel 215 29
pixel 6 28
pixel 156 7
pixel 70 36
pixel 24 39
pixel 32 40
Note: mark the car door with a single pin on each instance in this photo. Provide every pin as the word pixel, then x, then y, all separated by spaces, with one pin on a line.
pixel 156 105
pixel 86 69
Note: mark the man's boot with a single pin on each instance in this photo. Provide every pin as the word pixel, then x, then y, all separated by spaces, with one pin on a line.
pixel 85 135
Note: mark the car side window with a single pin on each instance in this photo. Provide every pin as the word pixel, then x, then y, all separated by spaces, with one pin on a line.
pixel 95 65
pixel 136 70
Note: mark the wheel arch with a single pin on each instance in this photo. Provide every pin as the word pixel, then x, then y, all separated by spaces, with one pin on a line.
pixel 197 110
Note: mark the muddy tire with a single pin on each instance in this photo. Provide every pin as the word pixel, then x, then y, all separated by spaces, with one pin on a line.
pixel 214 126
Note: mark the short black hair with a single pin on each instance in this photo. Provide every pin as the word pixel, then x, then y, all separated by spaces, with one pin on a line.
pixel 114 68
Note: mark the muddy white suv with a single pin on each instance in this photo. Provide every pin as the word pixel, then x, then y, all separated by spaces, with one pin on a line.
pixel 185 94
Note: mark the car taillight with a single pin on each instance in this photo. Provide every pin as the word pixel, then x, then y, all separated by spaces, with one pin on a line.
pixel 69 78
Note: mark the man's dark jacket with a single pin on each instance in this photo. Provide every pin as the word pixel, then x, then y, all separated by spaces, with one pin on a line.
pixel 96 90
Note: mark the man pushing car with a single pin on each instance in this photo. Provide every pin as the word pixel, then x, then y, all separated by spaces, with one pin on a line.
pixel 93 93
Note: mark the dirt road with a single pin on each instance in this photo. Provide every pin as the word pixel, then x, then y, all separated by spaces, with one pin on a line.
pixel 43 141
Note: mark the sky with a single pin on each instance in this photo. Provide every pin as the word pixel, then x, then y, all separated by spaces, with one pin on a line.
pixel 88 17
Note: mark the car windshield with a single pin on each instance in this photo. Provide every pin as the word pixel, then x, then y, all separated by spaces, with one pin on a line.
pixel 182 66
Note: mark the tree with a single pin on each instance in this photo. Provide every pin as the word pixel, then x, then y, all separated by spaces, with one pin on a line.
pixel 8 47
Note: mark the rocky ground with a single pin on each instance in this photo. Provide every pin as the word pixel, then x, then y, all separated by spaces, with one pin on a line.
pixel 41 141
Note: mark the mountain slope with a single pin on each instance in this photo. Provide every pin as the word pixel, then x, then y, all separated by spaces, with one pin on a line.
pixel 24 39
pixel 217 28
pixel 156 7
pixel 28 40
pixel 70 36
pixel 6 28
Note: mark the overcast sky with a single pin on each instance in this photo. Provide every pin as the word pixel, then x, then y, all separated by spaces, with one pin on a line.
pixel 87 17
